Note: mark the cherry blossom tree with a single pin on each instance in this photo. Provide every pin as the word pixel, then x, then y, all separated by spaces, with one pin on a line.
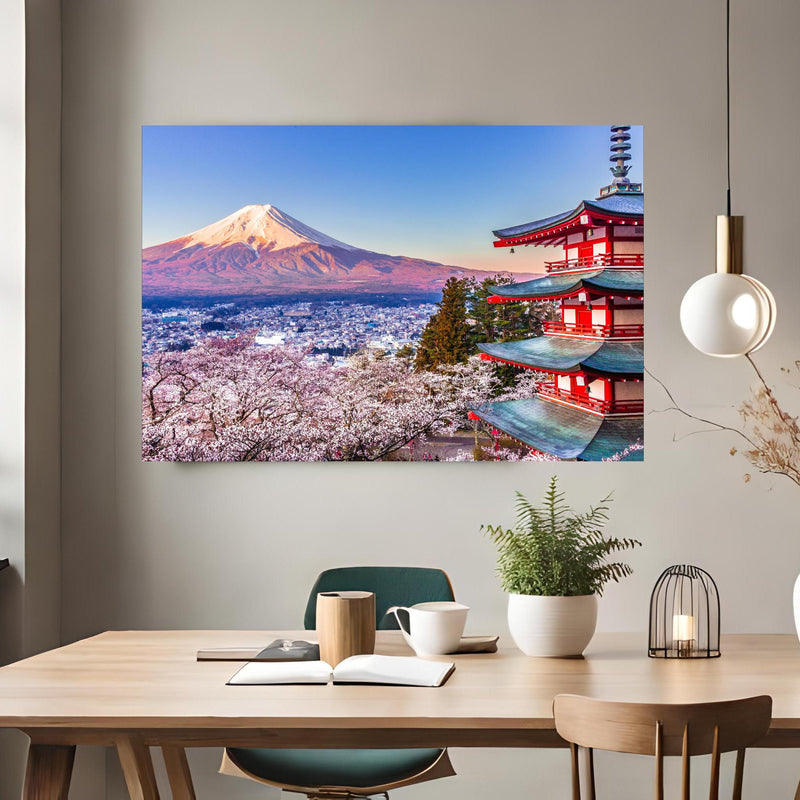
pixel 228 400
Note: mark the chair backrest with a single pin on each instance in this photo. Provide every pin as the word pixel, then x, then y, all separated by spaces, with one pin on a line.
pixel 392 586
pixel 662 730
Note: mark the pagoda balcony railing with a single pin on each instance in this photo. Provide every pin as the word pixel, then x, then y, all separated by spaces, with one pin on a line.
pixel 599 261
pixel 592 403
pixel 594 331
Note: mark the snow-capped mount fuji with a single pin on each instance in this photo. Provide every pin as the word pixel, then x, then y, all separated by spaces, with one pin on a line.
pixel 260 251
pixel 259 227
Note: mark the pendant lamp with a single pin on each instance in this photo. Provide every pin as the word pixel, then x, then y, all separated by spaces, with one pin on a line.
pixel 727 313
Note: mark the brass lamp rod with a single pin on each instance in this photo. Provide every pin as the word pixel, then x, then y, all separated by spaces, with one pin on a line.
pixel 729 244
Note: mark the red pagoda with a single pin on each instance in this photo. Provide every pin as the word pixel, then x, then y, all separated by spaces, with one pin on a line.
pixel 594 407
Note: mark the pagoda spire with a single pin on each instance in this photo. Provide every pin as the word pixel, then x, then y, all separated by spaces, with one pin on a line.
pixel 620 145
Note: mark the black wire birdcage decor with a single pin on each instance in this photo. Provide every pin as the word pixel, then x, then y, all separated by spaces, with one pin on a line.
pixel 684 614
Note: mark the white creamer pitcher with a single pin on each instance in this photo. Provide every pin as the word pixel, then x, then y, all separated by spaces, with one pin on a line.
pixel 432 628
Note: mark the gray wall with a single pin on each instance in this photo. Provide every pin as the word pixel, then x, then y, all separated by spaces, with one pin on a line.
pixel 30 202
pixel 12 321
pixel 162 545
pixel 42 619
pixel 12 355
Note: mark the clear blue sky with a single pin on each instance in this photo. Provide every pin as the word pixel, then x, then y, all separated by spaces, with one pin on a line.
pixel 433 192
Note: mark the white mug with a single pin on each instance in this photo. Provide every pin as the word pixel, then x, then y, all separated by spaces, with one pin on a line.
pixel 432 629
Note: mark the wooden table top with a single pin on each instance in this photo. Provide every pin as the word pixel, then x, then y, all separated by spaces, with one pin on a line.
pixel 150 680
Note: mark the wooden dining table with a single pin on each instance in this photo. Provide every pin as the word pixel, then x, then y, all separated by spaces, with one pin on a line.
pixel 133 690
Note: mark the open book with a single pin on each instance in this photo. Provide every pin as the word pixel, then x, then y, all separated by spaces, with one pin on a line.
pixel 386 670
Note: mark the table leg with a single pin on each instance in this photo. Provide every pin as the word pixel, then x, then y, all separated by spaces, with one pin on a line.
pixel 137 766
pixel 48 772
pixel 180 778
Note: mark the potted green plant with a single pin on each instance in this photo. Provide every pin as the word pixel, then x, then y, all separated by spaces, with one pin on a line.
pixel 553 565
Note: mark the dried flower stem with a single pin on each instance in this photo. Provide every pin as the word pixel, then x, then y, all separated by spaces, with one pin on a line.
pixel 775 440
pixel 675 407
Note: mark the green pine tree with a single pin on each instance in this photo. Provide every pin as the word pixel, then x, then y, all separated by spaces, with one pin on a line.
pixel 445 337
pixel 502 322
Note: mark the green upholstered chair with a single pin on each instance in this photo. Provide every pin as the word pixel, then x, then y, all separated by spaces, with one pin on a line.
pixel 392 586
pixel 359 773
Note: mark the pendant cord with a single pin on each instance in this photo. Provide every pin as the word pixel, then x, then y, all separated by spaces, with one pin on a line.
pixel 728 96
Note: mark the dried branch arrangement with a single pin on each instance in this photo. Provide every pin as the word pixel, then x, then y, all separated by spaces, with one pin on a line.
pixel 771 434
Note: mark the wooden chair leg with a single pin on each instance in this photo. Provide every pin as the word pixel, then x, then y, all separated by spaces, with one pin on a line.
pixel 180 778
pixel 576 772
pixel 49 771
pixel 686 767
pixel 659 795
pixel 586 757
pixel 137 766
pixel 738 775
pixel 713 793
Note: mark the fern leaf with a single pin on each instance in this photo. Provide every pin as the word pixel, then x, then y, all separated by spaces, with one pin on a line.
pixel 554 550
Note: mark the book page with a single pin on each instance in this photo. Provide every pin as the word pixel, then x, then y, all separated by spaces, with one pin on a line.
pixel 397 670
pixel 259 673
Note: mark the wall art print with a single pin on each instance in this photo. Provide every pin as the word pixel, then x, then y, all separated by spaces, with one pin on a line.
pixel 374 293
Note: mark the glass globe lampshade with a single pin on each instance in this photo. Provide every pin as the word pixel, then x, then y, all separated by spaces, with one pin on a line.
pixel 728 314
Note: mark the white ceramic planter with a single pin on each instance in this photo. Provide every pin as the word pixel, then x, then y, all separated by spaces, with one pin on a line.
pixel 552 626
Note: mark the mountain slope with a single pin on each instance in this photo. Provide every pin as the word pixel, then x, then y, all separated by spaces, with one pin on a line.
pixel 261 225
pixel 260 251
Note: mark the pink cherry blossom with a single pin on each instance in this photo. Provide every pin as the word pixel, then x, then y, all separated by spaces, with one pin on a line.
pixel 228 400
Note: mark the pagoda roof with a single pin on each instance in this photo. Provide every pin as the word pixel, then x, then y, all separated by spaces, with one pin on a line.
pixel 561 354
pixel 564 431
pixel 614 205
pixel 599 281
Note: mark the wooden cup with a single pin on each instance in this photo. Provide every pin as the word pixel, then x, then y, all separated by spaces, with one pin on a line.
pixel 345 625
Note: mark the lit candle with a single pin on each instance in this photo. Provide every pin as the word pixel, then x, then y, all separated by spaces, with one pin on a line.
pixel 683 633
pixel 683 627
